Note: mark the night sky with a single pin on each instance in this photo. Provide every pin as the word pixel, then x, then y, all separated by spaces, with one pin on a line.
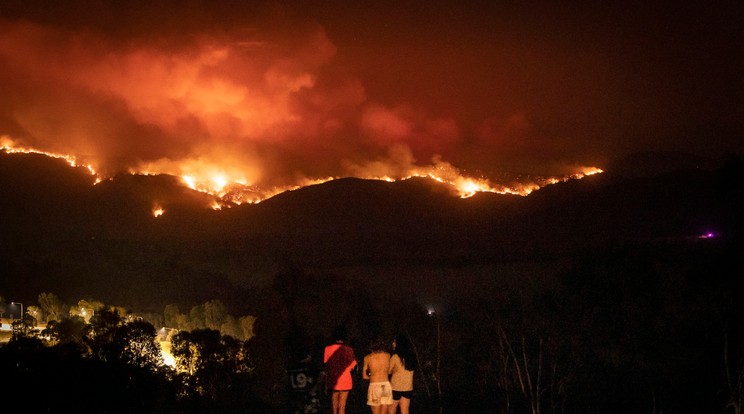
pixel 630 283
pixel 271 93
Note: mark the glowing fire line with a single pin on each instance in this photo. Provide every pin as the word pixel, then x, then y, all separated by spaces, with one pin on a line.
pixel 228 191
pixel 10 148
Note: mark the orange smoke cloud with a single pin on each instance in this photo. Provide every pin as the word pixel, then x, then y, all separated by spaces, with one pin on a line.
pixel 252 106
pixel 427 135
pixel 139 104
pixel 278 93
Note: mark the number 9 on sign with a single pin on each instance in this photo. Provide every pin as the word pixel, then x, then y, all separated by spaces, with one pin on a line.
pixel 299 380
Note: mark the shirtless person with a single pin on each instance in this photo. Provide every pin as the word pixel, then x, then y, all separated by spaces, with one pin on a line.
pixel 376 367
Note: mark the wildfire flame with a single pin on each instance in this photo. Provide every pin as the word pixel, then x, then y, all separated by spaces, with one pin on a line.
pixel 231 187
pixel 7 145
pixel 158 211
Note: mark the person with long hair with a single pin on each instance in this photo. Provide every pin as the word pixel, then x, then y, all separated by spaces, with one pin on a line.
pixel 402 365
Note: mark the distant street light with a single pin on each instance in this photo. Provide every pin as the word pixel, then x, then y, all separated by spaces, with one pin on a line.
pixel 21 305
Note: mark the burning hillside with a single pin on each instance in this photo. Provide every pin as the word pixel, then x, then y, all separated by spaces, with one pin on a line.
pixel 67 231
pixel 230 187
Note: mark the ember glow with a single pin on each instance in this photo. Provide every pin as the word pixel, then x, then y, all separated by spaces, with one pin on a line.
pixel 217 183
pixel 157 211
pixel 247 101
pixel 7 145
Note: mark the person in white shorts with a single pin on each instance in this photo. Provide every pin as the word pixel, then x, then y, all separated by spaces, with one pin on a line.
pixel 375 369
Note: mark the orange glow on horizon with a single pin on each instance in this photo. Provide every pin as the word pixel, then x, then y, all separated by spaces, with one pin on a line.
pixel 230 186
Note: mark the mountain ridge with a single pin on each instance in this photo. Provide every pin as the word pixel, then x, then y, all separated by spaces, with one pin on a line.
pixel 63 234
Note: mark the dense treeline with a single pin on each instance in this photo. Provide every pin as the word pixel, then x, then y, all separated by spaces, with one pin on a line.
pixel 111 364
pixel 625 328
pixel 212 314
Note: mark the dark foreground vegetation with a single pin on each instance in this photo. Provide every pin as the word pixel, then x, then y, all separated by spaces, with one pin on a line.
pixel 648 328
pixel 594 298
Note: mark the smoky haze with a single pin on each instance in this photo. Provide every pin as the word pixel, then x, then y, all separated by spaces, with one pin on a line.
pixel 273 93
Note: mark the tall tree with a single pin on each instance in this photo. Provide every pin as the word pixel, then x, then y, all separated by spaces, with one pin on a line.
pixel 101 329
pixel 246 326
pixel 52 307
pixel 68 330
pixel 138 346
pixel 215 314
pixel 170 316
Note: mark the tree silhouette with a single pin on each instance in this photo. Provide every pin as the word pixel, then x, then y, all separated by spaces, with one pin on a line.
pixel 137 345
pixel 219 370
pixel 52 307
pixel 215 314
pixel 70 330
pixel 170 316
pixel 100 333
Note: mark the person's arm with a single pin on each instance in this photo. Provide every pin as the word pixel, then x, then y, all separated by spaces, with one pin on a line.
pixel 365 368
pixel 394 363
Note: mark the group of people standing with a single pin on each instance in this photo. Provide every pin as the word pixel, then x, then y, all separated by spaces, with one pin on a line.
pixel 390 374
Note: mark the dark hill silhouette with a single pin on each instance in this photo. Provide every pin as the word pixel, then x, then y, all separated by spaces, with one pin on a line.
pixel 62 234
pixel 36 192
pixel 352 206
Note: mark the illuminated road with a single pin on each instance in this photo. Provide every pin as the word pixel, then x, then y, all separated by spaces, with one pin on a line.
pixel 6 331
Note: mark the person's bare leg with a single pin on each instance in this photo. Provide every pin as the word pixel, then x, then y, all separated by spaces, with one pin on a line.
pixel 342 396
pixel 334 401
pixel 376 409
pixel 405 405
pixel 393 407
